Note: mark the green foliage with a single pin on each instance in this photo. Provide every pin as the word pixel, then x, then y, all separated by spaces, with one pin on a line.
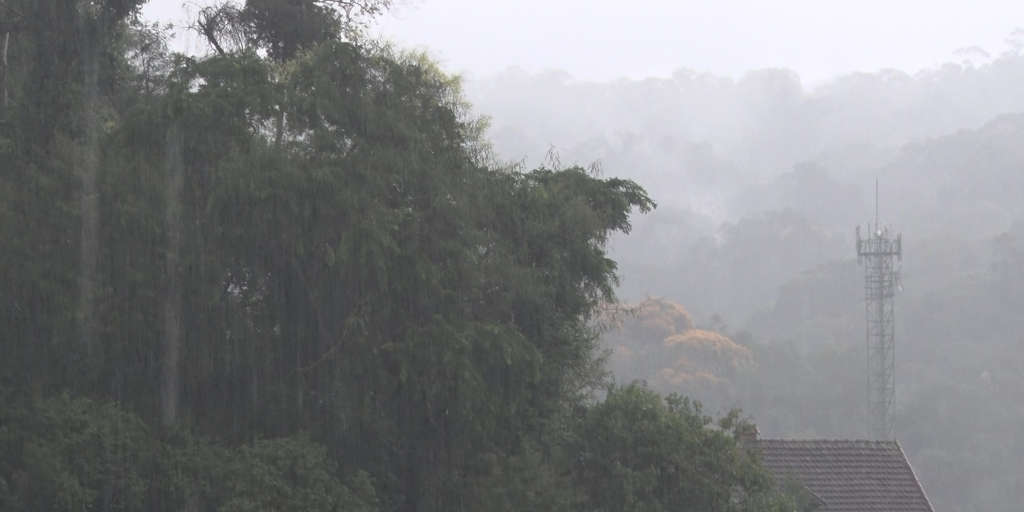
pixel 524 481
pixel 306 259
pixel 73 454
pixel 284 28
pixel 638 451
pixel 291 474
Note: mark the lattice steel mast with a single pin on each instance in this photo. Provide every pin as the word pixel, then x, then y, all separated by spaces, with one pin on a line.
pixel 880 252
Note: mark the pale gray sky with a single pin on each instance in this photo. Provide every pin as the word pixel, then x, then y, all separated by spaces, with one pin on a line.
pixel 605 39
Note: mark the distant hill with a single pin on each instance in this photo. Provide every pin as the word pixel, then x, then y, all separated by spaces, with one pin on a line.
pixel 761 184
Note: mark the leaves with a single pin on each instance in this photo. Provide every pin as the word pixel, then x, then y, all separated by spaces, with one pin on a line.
pixel 639 452
pixel 370 317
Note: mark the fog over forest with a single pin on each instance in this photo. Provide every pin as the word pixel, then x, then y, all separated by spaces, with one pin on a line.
pixel 283 256
pixel 760 182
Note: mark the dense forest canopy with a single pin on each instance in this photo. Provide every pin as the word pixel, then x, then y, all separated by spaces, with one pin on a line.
pixel 305 269
pixel 760 182
pixel 289 275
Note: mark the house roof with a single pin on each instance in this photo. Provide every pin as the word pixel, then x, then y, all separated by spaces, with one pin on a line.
pixel 848 476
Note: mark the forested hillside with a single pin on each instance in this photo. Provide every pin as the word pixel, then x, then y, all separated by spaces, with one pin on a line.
pixel 289 275
pixel 760 183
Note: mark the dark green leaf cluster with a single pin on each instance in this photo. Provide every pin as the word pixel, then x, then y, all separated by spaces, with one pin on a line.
pixel 289 282
pixel 638 451
pixel 69 454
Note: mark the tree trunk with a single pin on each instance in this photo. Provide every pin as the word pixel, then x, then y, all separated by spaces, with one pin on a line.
pixel 5 43
pixel 89 199
pixel 170 378
pixel 4 96
pixel 279 126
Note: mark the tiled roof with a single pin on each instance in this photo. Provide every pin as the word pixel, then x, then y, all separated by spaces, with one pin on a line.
pixel 848 476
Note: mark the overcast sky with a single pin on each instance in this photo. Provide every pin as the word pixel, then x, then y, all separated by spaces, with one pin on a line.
pixel 603 39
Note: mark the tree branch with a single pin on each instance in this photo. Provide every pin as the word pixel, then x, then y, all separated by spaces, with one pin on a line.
pixel 206 24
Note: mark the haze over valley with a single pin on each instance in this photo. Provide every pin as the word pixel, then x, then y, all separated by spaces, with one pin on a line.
pixel 443 255
pixel 760 181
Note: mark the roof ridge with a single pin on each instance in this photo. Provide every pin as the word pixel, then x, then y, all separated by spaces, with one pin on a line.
pixel 825 440
pixel 906 460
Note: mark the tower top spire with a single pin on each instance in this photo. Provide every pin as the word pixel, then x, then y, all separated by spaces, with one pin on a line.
pixel 876 204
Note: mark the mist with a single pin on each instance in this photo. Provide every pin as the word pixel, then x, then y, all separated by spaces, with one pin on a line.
pixel 432 255
pixel 761 177
pixel 604 40
pixel 760 181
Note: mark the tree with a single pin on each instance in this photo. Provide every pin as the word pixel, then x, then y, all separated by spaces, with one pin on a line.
pixel 659 345
pixel 302 286
pixel 354 272
pixel 284 27
pixel 638 451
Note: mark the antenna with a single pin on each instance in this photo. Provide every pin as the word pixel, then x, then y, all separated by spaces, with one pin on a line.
pixel 877 253
pixel 876 203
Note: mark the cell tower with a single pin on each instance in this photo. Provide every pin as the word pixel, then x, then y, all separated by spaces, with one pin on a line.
pixel 880 253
